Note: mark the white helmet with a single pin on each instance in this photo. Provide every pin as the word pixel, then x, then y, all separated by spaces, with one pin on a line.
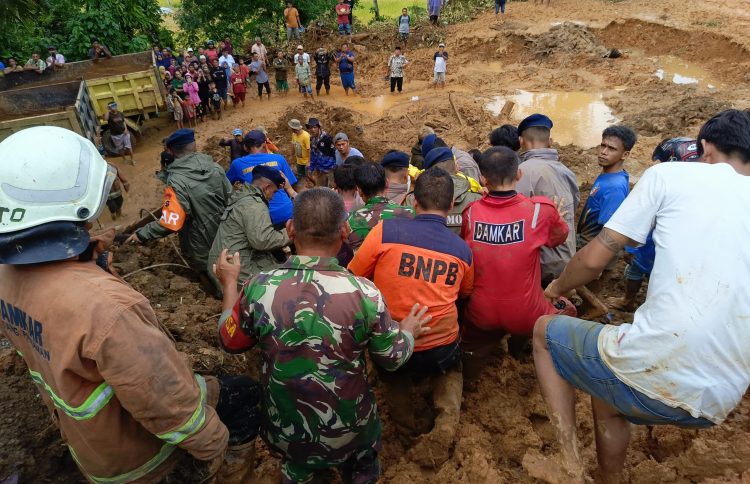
pixel 50 174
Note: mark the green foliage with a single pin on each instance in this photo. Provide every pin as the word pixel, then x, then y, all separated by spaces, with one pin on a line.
pixel 242 20
pixel 122 25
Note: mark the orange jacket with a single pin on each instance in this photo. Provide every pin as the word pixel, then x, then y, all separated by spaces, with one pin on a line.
pixel 422 261
pixel 123 396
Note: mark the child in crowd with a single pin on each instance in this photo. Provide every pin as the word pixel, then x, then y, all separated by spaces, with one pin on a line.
pixel 178 111
pixel 216 100
pixel 304 77
pixel 238 85
pixel 189 109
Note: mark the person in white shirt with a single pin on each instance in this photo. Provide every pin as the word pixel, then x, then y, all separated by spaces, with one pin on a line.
pixel 55 60
pixel 260 49
pixel 301 52
pixel 685 358
pixel 441 59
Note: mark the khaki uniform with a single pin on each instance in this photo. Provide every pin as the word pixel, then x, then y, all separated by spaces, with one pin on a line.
pixel 194 199
pixel 122 395
pixel 462 197
pixel 544 175
pixel 246 228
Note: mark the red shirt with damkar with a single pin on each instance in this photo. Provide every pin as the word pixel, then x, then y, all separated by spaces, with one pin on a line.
pixel 505 231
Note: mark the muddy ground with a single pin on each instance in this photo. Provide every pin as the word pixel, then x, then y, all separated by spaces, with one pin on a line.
pixel 503 419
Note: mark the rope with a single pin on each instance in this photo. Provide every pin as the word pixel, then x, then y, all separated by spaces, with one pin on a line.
pixel 153 266
pixel 179 254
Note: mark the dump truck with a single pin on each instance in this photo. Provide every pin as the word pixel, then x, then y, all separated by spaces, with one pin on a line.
pixel 67 105
pixel 130 80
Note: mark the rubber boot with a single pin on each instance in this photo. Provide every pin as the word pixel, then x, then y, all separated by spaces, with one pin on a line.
pixel 433 449
pixel 238 465
pixel 400 406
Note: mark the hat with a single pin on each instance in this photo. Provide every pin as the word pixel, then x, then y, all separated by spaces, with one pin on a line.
pixel 237 132
pixel 203 57
pixel 263 171
pixel 180 137
pixel 295 124
pixel 51 47
pixel 536 120
pixel 313 122
pixel 395 159
pixel 428 143
pixel 254 139
pixel 340 137
pixel 189 49
pixel 441 44
pixel 262 129
pixel 209 42
pixel 299 47
pixel 112 105
pixel 438 155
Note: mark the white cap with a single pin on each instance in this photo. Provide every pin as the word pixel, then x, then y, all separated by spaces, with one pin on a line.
pixel 189 49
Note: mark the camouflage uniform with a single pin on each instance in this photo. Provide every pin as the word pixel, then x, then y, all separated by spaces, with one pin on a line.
pixel 376 209
pixel 313 321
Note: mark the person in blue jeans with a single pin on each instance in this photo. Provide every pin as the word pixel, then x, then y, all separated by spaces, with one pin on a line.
pixel 500 8
pixel 641 259
pixel 345 60
pixel 683 361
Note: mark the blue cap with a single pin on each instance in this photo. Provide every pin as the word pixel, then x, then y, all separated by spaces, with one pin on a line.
pixel 254 138
pixel 262 171
pixel 237 132
pixel 396 159
pixel 437 155
pixel 535 120
pixel 180 137
pixel 428 143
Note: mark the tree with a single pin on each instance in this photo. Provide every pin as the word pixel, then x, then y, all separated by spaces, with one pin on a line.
pixel 242 19
pixel 123 25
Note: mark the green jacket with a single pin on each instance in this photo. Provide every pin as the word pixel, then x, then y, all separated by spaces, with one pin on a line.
pixel 462 198
pixel 202 190
pixel 246 228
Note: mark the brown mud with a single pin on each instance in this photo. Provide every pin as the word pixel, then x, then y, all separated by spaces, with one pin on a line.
pixel 505 434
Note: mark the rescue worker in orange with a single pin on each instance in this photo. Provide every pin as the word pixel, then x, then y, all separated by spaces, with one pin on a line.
pixel 196 194
pixel 125 400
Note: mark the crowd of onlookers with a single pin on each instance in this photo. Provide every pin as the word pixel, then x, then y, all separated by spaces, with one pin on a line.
pixel 54 61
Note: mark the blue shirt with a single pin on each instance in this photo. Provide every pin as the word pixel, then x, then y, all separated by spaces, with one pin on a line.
pixel 2 66
pixel 280 206
pixel 352 152
pixel 608 192
pixel 345 65
pixel 644 256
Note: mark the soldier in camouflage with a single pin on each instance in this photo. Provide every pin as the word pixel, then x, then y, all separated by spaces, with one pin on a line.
pixel 370 179
pixel 246 226
pixel 313 321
